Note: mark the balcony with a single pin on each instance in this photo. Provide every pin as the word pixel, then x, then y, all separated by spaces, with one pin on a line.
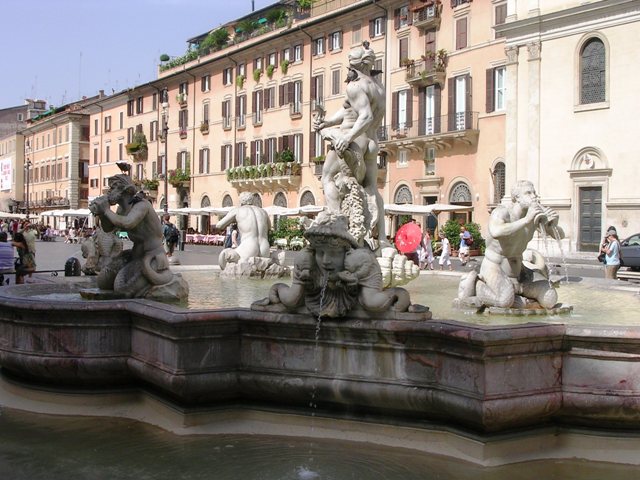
pixel 257 118
pixel 443 132
pixel 183 133
pixel 425 72
pixel 241 121
pixel 266 176
pixel 226 123
pixel 428 17
pixel 295 109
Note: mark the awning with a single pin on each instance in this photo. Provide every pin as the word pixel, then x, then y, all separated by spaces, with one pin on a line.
pixel 434 208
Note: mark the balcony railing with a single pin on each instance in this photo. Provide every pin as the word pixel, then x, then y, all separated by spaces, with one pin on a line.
pixel 295 109
pixel 442 131
pixel 257 118
pixel 241 121
pixel 183 133
pixel 427 18
pixel 266 176
pixel 226 123
pixel 423 73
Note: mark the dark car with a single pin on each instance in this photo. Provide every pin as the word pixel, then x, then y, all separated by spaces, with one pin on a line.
pixel 630 252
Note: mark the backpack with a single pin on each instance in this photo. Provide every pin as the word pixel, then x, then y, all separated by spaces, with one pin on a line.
pixel 172 235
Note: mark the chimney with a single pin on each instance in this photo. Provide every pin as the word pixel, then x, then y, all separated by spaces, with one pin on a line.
pixel 100 93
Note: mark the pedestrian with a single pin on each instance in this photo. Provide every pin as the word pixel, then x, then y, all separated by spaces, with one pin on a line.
pixel 465 244
pixel 235 240
pixel 26 262
pixel 171 236
pixel 611 255
pixel 6 257
pixel 445 255
pixel 425 251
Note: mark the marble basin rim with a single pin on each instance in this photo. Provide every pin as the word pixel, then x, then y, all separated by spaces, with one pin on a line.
pixel 484 379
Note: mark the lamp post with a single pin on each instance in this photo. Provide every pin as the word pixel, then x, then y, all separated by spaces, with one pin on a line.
pixel 27 168
pixel 165 132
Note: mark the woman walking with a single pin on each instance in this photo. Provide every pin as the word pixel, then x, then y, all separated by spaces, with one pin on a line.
pixel 26 262
pixel 611 255
pixel 426 252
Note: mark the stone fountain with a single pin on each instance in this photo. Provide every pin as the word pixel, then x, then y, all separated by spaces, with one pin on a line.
pixel 363 355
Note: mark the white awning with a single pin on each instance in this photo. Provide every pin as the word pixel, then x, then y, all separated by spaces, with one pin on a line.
pixel 434 208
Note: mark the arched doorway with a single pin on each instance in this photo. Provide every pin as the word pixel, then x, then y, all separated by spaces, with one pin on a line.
pixel 205 220
pixel 460 195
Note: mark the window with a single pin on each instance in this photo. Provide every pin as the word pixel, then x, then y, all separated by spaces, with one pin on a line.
pixel 203 160
pixel 273 59
pixel 121 121
pixel 457 3
pixel 376 27
pixel 154 102
pixel 140 105
pixel 318 46
pixel 95 156
pixel 182 160
pixel 205 112
pixel 317 89
pixel 499 182
pixel 459 102
pixel 95 128
pixel 461 33
pixel 429 107
pixel 140 171
pixel 153 131
pixel 120 151
pixel 162 164
pixel 500 16
pixel 241 153
pixel 183 121
pixel 227 76
pixel 297 147
pixel 335 41
pixel 20 117
pixel 107 155
pixel 257 63
pixel 226 114
pixel 296 104
pixel 403 158
pixel 356 34
pixel 297 53
pixel 593 72
pixel 401 17
pixel 183 89
pixel 286 54
pixel 130 107
pixel 401 111
pixel 225 157
pixel 269 97
pixel 270 146
pixel 241 111
pixel 107 124
pixel 496 89
pixel 205 83
pixel 242 69
pixel 403 51
pixel 335 82
pixel 258 100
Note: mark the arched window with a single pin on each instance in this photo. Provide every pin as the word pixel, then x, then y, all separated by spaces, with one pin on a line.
pixel 499 181
pixel 257 200
pixel 307 199
pixel 205 220
pixel 227 201
pixel 280 200
pixel 460 194
pixel 205 202
pixel 403 195
pixel 593 72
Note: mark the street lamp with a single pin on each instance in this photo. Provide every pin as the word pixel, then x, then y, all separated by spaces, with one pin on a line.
pixel 165 132
pixel 27 168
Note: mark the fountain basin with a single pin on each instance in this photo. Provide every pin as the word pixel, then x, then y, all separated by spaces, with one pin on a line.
pixel 483 378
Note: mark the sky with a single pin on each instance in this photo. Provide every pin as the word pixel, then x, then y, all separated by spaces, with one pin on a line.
pixel 62 50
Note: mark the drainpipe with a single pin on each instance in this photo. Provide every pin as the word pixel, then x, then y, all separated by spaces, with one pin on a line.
pixel 235 97
pixel 311 79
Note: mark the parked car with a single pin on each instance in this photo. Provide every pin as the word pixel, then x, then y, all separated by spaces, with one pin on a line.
pixel 630 248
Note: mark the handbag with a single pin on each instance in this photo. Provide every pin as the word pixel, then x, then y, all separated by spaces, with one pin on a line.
pixel 601 257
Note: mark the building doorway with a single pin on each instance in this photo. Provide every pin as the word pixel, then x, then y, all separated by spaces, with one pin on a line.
pixel 590 218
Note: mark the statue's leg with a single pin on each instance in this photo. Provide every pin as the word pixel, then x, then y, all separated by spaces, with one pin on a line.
pixel 542 292
pixel 331 192
pixel 494 288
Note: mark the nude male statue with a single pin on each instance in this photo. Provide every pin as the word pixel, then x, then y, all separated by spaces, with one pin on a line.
pixel 253 226
pixel 355 141
pixel 503 280
pixel 134 271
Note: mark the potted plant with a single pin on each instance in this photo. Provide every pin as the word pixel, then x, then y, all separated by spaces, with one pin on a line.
pixel 204 126
pixel 179 177
pixel 150 183
pixel 138 146
pixel 270 70
pixel 440 60
pixel 257 73
pixel 287 155
pixel 240 80
pixel 284 66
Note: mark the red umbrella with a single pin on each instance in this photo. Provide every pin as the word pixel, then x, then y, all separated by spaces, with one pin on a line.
pixel 408 237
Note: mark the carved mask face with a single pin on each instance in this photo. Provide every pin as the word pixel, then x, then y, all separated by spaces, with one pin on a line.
pixel 330 259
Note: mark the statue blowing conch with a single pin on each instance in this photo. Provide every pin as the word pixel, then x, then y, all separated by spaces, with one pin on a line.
pixel 512 276
pixel 143 271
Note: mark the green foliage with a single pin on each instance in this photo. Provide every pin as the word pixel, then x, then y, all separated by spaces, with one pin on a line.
pixel 164 57
pixel 451 230
pixel 276 15
pixel 304 4
pixel 270 69
pixel 179 175
pixel 247 26
pixel 240 80
pixel 257 73
pixel 214 41
pixel 286 227
pixel 150 183
pixel 284 66
pixel 187 57
pixel 286 155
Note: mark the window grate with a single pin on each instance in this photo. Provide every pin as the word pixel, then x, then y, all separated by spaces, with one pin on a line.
pixel 592 72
